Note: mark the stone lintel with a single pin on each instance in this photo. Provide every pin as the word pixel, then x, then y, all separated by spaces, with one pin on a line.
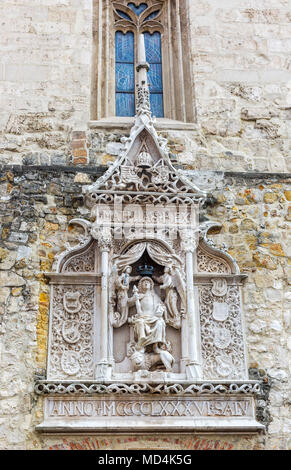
pixel 74 278
pixel 205 278
pixel 127 123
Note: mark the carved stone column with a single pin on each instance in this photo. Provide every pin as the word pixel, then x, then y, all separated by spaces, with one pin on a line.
pixel 193 365
pixel 103 369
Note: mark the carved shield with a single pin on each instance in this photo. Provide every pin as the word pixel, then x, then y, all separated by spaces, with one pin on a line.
pixel 72 302
pixel 222 338
pixel 219 288
pixel 224 365
pixel 70 331
pixel 162 176
pixel 70 363
pixel 220 311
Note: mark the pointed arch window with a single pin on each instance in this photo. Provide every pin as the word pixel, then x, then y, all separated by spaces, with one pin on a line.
pixel 117 25
pixel 141 18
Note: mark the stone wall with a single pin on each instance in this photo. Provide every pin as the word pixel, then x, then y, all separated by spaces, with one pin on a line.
pixel 241 60
pixel 241 64
pixel 36 206
pixel 44 77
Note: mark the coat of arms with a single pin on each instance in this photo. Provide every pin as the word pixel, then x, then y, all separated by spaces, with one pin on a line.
pixel 71 302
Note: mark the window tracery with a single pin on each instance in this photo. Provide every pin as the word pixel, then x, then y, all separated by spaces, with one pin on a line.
pixel 131 20
pixel 164 24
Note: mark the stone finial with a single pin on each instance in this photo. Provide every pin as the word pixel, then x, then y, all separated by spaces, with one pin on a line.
pixel 143 94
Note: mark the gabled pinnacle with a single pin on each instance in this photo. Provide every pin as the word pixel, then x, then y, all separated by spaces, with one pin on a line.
pixel 130 157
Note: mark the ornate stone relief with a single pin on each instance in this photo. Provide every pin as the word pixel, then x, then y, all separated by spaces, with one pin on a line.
pixel 71 341
pixel 139 311
pixel 221 335
pixel 149 348
pixel 84 262
pixel 211 264
pixel 208 388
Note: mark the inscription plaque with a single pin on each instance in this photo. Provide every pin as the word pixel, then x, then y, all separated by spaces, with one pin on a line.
pixel 125 413
pixel 121 407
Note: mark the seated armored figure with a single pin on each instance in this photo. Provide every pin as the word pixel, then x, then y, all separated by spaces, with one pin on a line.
pixel 149 323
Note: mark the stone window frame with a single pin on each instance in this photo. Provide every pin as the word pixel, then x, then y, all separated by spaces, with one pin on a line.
pixel 178 80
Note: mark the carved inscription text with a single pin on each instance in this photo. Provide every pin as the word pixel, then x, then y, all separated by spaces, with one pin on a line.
pixel 191 407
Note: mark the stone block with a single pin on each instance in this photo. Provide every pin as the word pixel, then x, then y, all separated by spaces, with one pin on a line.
pixel 18 237
pixel 82 178
pixel 4 294
pixel 273 295
pixel 58 159
pixel 252 114
pixel 258 326
pixel 10 279
pixel 26 72
pixel 7 258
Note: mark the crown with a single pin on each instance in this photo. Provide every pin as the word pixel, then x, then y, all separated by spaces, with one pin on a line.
pixel 144 160
pixel 145 270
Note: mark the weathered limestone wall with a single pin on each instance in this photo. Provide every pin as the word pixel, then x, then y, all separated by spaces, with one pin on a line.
pixel 241 59
pixel 45 64
pixel 36 206
pixel 241 62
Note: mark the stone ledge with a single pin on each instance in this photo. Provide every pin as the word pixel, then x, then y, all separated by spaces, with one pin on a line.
pixel 100 170
pixel 209 426
pixel 127 123
pixel 73 278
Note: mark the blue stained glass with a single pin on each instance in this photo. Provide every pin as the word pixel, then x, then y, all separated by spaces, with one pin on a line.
pixel 157 106
pixel 153 48
pixel 137 10
pixel 152 15
pixel 125 104
pixel 155 78
pixel 124 15
pixel 124 47
pixel 124 74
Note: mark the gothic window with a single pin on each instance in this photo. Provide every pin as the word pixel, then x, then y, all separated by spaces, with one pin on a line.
pixel 141 18
pixel 165 26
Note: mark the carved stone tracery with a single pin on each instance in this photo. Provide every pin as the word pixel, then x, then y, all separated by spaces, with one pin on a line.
pixel 207 388
pixel 211 264
pixel 71 351
pixel 84 262
pixel 221 335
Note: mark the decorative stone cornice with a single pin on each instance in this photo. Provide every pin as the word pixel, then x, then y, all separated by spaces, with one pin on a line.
pixel 43 387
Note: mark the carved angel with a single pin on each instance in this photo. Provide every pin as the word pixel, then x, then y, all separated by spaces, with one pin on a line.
pixel 173 284
pixel 120 293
